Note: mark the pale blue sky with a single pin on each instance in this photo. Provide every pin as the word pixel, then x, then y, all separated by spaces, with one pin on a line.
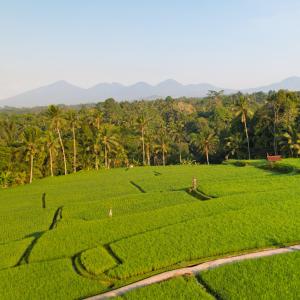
pixel 232 43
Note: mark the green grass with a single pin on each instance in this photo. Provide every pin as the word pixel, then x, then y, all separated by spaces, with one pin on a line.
pixel 252 184
pixel 23 223
pixel 125 205
pixel 229 232
pixel 46 280
pixel 151 231
pixel 292 162
pixel 275 277
pixel 178 288
pixel 65 241
pixel 11 253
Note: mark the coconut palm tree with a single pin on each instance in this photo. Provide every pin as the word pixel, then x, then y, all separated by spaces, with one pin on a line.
pixel 206 141
pixel 232 145
pixel 94 120
pixel 109 139
pixel 97 149
pixel 51 144
pixel 177 134
pixel 162 142
pixel 142 123
pixel 54 113
pixel 73 120
pixel 30 146
pixel 95 117
pixel 284 106
pixel 162 148
pixel 8 131
pixel 243 110
pixel 290 142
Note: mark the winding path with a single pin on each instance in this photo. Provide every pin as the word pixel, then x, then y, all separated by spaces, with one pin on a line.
pixel 192 270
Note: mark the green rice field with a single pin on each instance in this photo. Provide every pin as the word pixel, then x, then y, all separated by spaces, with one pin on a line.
pixel 73 248
pixel 276 277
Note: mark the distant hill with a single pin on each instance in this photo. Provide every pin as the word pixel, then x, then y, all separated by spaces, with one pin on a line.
pixel 62 92
pixel 290 83
pixel 58 92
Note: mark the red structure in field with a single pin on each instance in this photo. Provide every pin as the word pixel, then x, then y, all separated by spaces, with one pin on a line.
pixel 273 158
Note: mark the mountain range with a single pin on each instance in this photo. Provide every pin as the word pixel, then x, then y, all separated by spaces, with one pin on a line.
pixel 62 92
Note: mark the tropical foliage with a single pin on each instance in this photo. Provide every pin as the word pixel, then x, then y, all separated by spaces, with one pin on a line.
pixel 58 140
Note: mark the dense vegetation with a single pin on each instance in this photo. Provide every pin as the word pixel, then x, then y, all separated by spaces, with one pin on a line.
pixel 41 142
pixel 73 248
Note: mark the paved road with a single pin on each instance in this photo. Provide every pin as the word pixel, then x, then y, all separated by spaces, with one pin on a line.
pixel 192 270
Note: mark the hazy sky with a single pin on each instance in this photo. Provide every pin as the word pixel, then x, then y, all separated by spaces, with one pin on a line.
pixel 232 43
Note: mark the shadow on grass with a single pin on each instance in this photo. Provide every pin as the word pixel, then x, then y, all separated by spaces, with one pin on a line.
pixel 207 287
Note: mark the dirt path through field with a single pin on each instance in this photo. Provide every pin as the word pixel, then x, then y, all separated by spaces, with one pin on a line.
pixel 192 270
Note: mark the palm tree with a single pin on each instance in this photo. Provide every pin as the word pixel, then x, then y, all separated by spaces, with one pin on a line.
pixel 51 144
pixel 142 124
pixel 55 115
pixel 290 142
pixel 95 118
pixel 206 141
pixel 164 151
pixel 232 145
pixel 162 145
pixel 97 149
pixel 72 118
pixel 30 138
pixel 150 142
pixel 88 145
pixel 176 130
pixel 8 131
pixel 148 155
pixel 118 156
pixel 109 139
pixel 242 110
pixel 284 107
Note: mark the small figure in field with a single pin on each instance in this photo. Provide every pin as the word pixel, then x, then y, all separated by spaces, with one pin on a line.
pixel 44 200
pixel 194 184
pixel 110 213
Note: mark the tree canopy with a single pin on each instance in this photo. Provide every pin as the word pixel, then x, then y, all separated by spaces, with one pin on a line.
pixel 57 140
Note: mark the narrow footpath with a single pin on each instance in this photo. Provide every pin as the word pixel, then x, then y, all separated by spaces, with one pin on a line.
pixel 192 270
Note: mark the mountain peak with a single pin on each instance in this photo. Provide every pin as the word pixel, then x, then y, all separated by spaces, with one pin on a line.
pixel 141 84
pixel 61 84
pixel 63 92
pixel 169 82
pixel 291 79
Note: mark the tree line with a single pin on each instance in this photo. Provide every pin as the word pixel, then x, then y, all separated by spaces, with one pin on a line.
pixel 58 140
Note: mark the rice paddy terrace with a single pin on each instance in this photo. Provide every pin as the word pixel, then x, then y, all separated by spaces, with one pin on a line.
pixel 106 229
